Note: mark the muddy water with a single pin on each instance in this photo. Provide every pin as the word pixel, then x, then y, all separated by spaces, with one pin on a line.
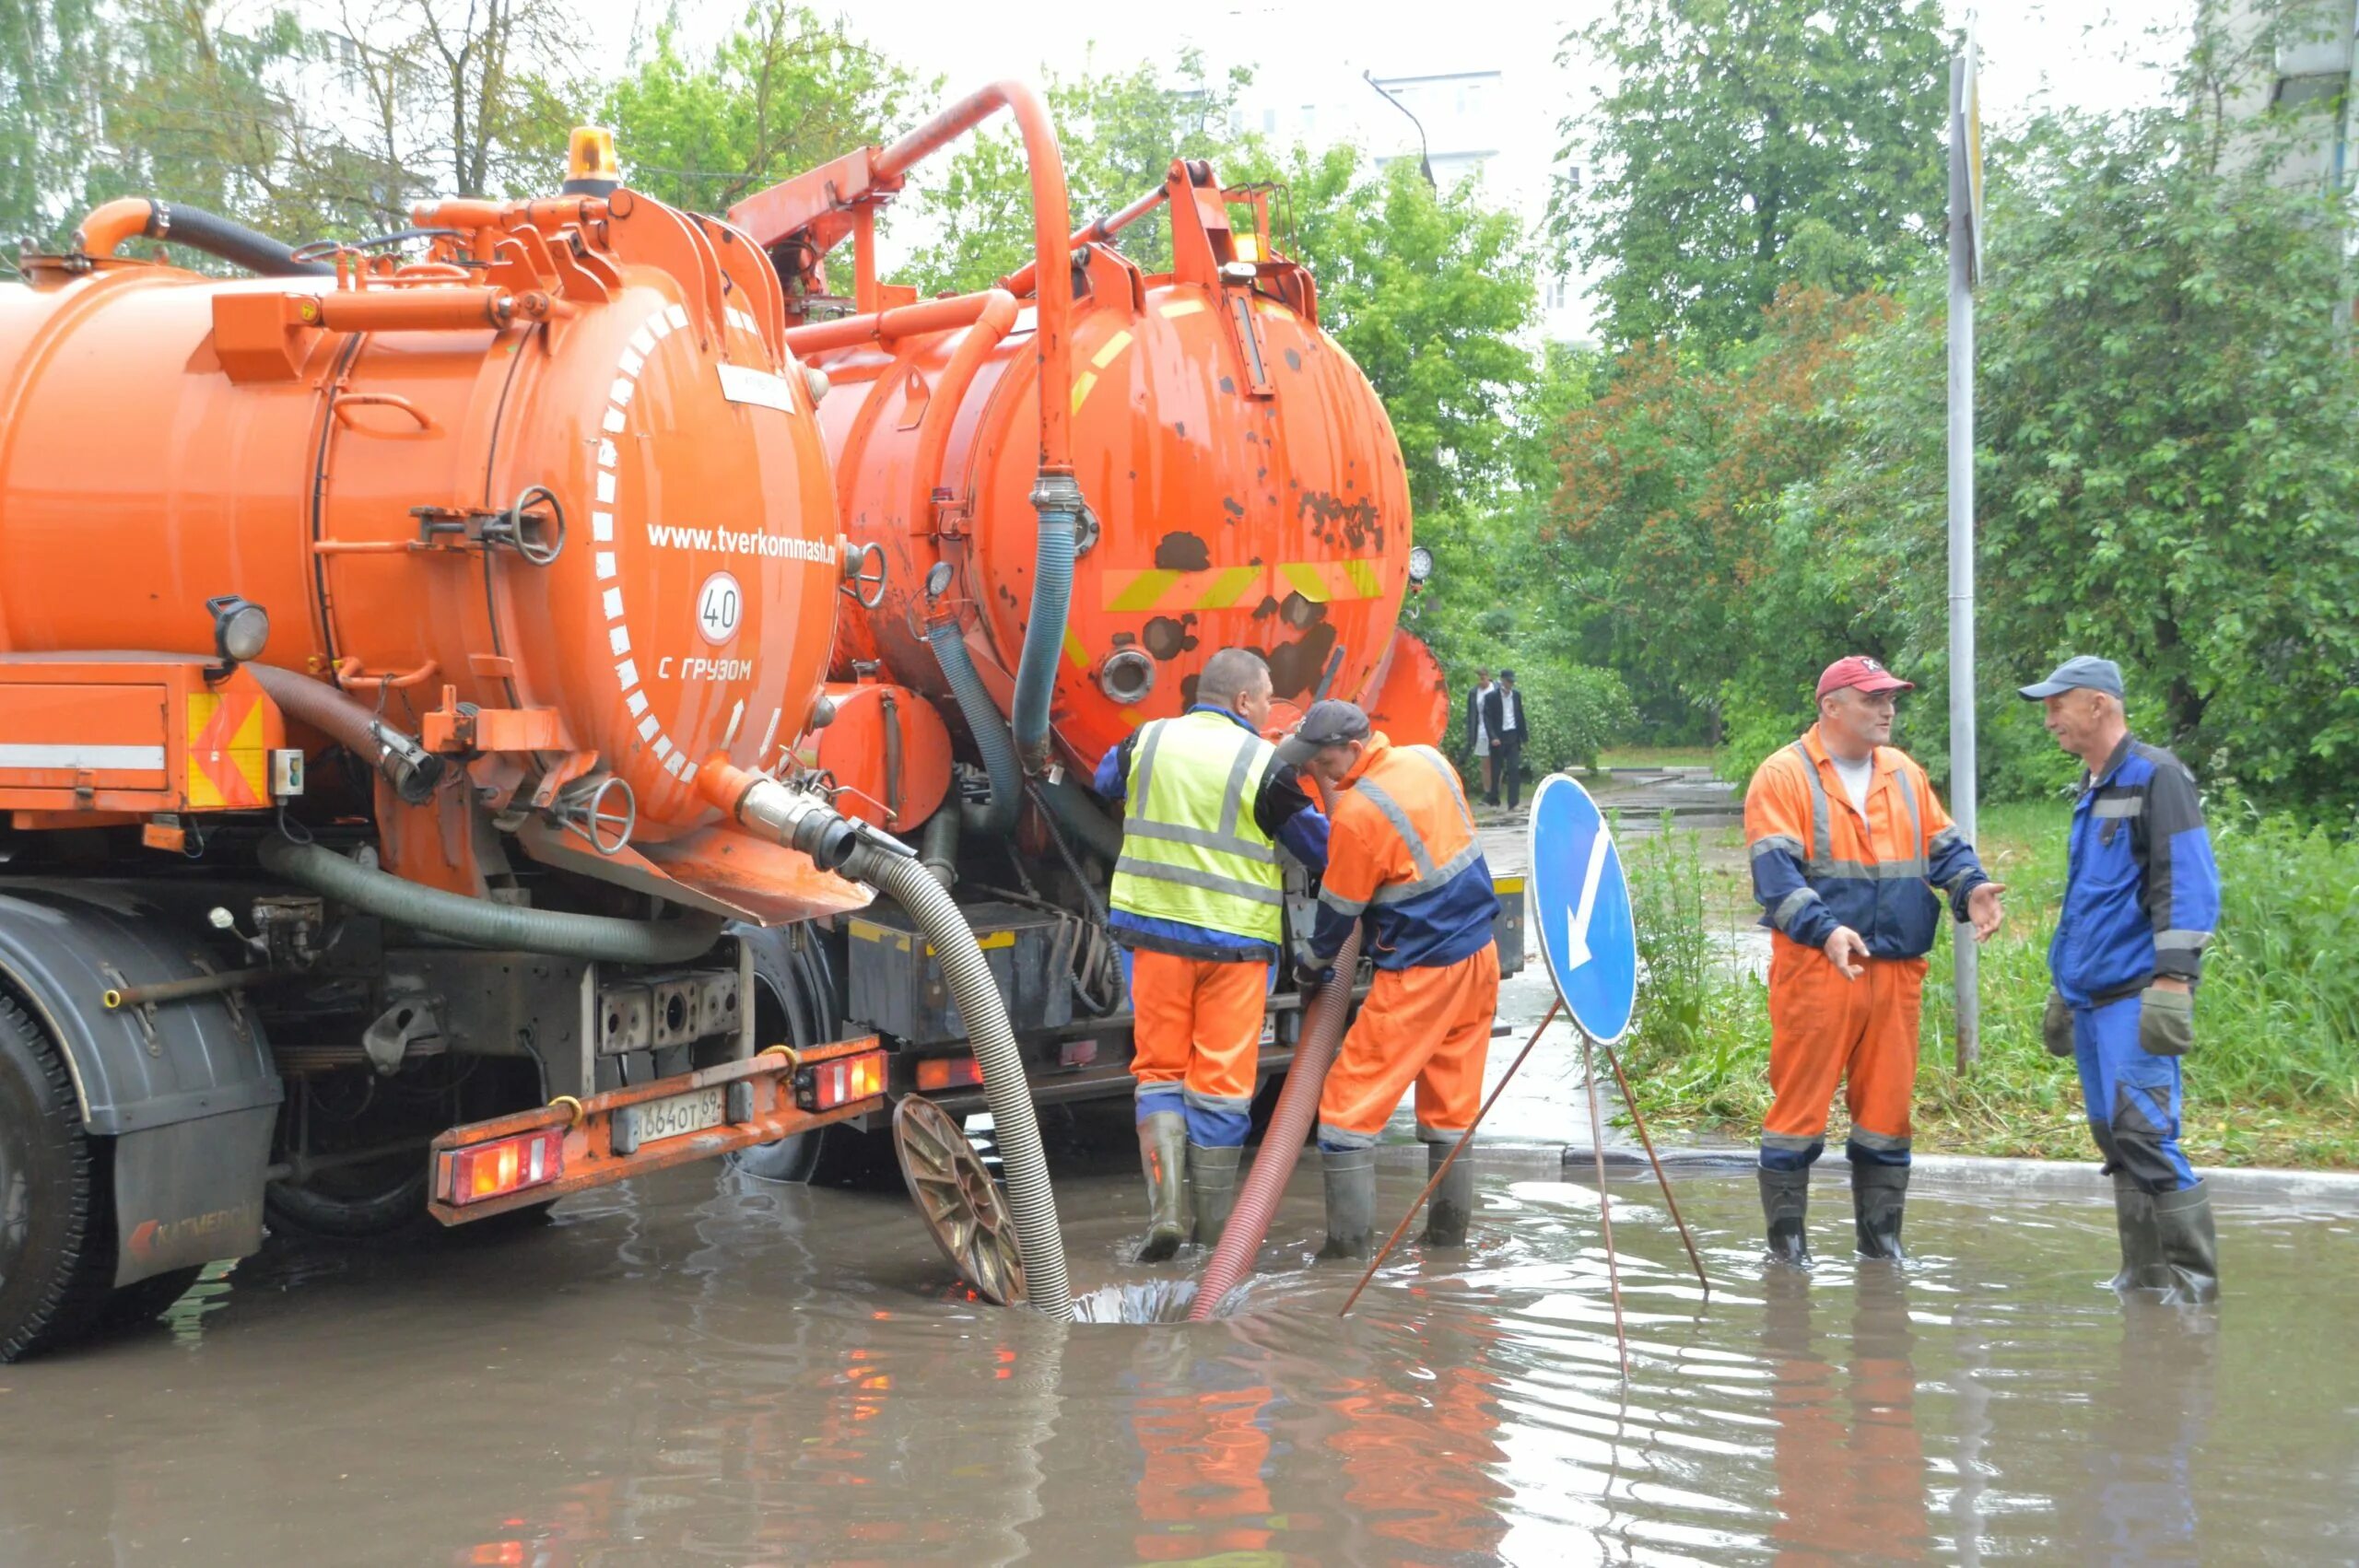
pixel 703 1368
pixel 695 1370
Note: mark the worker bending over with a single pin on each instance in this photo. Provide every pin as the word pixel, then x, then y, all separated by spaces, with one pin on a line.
pixel 1847 835
pixel 1401 855
pixel 1198 900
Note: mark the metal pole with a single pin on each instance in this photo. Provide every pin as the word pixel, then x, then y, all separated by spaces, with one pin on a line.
pixel 1962 759
pixel 1630 1103
pixel 1604 1202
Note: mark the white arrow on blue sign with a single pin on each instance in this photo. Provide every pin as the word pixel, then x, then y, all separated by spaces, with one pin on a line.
pixel 1581 902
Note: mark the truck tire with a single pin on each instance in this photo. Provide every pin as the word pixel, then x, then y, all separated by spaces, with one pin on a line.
pixel 359 1203
pixel 56 1265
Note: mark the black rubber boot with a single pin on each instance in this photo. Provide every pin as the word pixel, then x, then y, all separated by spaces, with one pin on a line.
pixel 2142 1238
pixel 1878 1194
pixel 1452 1205
pixel 1212 1183
pixel 1351 1202
pixel 1785 1204
pixel 1163 1151
pixel 2190 1252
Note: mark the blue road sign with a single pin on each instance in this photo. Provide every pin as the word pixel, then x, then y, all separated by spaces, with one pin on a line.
pixel 1582 904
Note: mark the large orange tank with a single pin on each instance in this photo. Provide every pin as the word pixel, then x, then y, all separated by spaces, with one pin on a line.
pixel 555 496
pixel 1244 480
pixel 1243 483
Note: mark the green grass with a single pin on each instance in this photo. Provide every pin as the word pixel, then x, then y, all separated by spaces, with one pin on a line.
pixel 2274 1079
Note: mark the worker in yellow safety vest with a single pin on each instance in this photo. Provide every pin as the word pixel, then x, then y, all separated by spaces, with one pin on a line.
pixel 1199 900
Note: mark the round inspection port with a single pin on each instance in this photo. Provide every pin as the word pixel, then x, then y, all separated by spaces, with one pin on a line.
pixel 675 1014
pixel 1126 676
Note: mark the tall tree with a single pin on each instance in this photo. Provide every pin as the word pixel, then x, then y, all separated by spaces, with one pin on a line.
pixel 1743 144
pixel 784 91
pixel 49 127
pixel 1118 132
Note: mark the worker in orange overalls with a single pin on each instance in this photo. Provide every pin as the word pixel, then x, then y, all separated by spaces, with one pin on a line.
pixel 1401 855
pixel 1848 842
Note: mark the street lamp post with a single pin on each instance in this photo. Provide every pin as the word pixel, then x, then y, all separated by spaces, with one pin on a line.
pixel 1425 160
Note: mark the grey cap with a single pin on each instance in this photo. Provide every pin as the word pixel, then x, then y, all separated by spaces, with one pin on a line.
pixel 2074 674
pixel 1328 723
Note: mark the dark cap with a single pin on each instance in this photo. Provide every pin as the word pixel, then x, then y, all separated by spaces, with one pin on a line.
pixel 1507 674
pixel 2074 674
pixel 1861 673
pixel 1328 723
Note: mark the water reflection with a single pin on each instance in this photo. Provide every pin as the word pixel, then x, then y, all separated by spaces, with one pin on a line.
pixel 1849 1465
pixel 2153 1404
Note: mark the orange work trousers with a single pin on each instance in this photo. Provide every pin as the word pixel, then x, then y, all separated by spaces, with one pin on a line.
pixel 1825 1029
pixel 1429 1027
pixel 1198 1026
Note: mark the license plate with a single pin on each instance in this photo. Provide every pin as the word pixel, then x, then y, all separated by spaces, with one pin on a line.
pixel 640 1125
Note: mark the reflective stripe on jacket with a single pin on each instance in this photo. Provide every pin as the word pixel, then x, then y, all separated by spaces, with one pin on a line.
pixel 1402 852
pixel 2142 892
pixel 1818 864
pixel 1192 848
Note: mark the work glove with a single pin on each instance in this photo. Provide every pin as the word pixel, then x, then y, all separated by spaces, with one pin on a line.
pixel 2056 1026
pixel 2165 1022
pixel 1310 971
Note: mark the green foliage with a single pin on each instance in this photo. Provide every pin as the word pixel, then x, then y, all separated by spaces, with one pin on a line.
pixel 1118 132
pixel 2274 1076
pixel 785 92
pixel 1747 144
pixel 51 69
pixel 2167 473
pixel 1663 519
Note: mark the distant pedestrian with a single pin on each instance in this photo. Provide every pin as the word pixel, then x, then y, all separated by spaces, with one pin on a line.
pixel 2142 898
pixel 1845 835
pixel 1503 716
pixel 1478 736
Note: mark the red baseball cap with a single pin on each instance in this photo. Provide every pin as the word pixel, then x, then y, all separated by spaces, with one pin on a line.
pixel 1862 673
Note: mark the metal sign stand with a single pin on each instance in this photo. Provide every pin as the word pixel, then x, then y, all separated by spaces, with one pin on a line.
pixel 1604 1199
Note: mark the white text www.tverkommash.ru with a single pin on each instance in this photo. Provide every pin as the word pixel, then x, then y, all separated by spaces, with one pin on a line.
pixel 742 542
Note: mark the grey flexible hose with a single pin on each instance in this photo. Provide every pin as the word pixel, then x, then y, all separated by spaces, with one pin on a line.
pixel 986 724
pixel 483 923
pixel 1079 813
pixel 1030 1201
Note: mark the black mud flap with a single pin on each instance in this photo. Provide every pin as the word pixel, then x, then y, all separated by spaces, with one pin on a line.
pixel 190 1193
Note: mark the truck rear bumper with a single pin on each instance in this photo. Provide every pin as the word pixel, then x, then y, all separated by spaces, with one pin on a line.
pixel 758 1104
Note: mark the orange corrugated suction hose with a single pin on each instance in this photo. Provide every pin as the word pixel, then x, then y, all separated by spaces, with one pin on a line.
pixel 1322 1030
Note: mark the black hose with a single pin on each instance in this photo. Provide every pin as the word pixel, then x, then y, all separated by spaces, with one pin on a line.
pixel 938 845
pixel 985 722
pixel 1077 812
pixel 482 923
pixel 233 243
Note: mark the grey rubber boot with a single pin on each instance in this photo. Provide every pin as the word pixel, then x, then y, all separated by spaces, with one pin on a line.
pixel 1452 1205
pixel 1878 1194
pixel 2142 1238
pixel 2191 1251
pixel 1785 1204
pixel 1163 1151
pixel 1211 1182
pixel 1351 1202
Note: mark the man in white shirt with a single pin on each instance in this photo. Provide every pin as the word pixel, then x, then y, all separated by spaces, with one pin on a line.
pixel 1478 737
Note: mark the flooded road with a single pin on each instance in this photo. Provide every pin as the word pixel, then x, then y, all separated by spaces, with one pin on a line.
pixel 699 1371
pixel 704 1368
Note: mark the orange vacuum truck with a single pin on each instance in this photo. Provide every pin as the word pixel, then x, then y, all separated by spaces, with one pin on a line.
pixel 590 697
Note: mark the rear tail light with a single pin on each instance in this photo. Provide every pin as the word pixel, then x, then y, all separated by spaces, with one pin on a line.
pixel 949 1073
pixel 495 1170
pixel 840 1081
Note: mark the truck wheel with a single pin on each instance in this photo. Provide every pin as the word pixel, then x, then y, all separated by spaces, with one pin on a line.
pixel 55 1269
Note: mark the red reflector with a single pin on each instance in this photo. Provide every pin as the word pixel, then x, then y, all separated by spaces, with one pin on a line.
pixel 495 1170
pixel 840 1081
pixel 949 1073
